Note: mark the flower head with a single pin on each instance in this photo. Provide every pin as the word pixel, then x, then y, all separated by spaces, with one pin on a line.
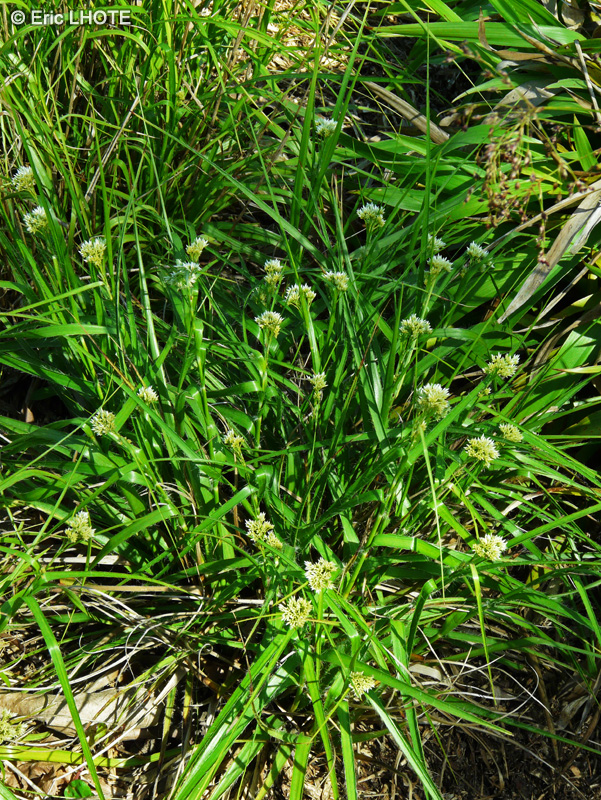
pixel 511 432
pixel 436 244
pixel 270 320
pixel 318 380
pixel 482 449
pixel 235 441
pixel 439 264
pixel 35 220
pixel 490 547
pixel 10 731
pixel 103 422
pixel 272 540
pixel 273 272
pixel 325 127
pixel 296 612
pixel 293 294
pixel 258 529
pixel 433 399
pixel 372 215
pixel 23 180
pixel 93 251
pixel 320 575
pixel 148 394
pixel 79 528
pixel 338 279
pixel 504 366
pixel 414 326
pixel 361 683
pixel 183 275
pixel 476 252
pixel 195 249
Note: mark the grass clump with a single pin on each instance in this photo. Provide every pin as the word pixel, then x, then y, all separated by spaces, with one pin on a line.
pixel 286 465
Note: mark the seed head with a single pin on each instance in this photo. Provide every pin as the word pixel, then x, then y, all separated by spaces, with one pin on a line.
pixel 319 381
pixel 235 441
pixel 511 432
pixel 320 575
pixel 325 127
pixel 490 547
pixel 258 529
pixel 338 279
pixel 372 215
pixel 270 320
pixel 482 449
pixel 23 180
pixel 476 252
pixel 273 272
pixel 439 264
pixel 35 220
pixel 433 400
pixel 79 528
pixel 293 294
pixel 148 394
pixel 414 326
pixel 194 250
pixel 296 612
pixel 93 251
pixel 10 731
pixel 272 540
pixel 436 244
pixel 505 366
pixel 361 683
pixel 103 422
pixel 183 275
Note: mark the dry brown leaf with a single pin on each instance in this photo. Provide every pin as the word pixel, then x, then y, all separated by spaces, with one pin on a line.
pixel 132 707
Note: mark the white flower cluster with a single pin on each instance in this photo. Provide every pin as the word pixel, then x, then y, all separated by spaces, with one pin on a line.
pixel 234 440
pixel 325 127
pixel 194 250
pixel 273 270
pixel 23 180
pixel 482 449
pixel 320 575
pixel 260 530
pixel 296 612
pixel 414 326
pixel 361 683
pixel 148 394
pixel 476 252
pixel 270 321
pixel 372 215
pixel 511 432
pixel 103 422
pixel 439 264
pixel 183 275
pixel 10 731
pixel 490 547
pixel 79 528
pixel 93 251
pixel 436 244
pixel 318 380
pixel 433 400
pixel 505 366
pixel 338 279
pixel 36 220
pixel 293 294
